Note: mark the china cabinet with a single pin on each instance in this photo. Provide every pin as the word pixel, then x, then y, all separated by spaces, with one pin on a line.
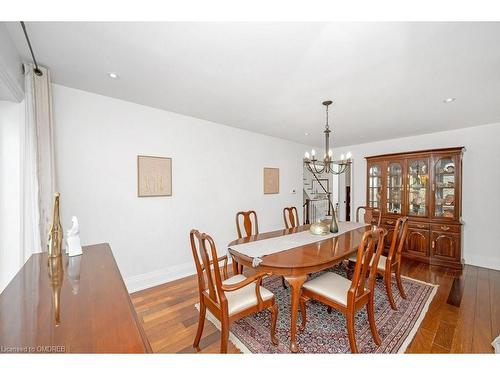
pixel 426 187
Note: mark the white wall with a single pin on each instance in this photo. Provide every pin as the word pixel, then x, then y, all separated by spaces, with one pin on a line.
pixel 11 77
pixel 481 183
pixel 217 171
pixel 11 258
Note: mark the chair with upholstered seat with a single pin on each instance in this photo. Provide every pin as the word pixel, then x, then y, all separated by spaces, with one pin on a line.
pixel 228 299
pixel 372 216
pixel 250 225
pixel 291 217
pixel 348 296
pixel 392 262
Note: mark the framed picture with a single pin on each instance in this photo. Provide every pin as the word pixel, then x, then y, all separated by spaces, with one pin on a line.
pixel 271 180
pixel 154 176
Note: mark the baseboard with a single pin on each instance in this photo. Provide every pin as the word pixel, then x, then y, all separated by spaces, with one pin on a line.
pixel 154 278
pixel 162 276
pixel 485 262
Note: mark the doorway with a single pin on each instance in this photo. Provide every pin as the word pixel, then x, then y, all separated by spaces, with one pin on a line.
pixel 345 192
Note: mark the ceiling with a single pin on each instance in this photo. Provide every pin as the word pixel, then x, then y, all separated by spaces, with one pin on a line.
pixel 387 80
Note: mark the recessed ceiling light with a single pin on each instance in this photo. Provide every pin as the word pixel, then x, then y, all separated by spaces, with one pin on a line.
pixel 113 75
pixel 449 100
pixel 306 134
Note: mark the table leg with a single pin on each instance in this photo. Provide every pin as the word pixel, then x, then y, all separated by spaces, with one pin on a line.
pixel 295 285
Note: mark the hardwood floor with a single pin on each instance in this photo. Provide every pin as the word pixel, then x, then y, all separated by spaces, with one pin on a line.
pixel 464 316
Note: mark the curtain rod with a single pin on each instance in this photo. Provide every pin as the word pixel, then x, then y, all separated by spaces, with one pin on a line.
pixel 37 71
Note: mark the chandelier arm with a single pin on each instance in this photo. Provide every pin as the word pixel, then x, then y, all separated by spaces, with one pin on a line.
pixel 340 170
pixel 319 171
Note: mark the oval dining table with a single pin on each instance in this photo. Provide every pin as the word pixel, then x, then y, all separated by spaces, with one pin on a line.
pixel 296 263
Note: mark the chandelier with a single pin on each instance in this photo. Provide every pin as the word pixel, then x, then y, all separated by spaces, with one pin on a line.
pixel 316 166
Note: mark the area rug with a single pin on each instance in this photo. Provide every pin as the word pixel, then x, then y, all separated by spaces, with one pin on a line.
pixel 327 333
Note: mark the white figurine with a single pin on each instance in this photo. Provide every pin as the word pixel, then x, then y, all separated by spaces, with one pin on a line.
pixel 74 244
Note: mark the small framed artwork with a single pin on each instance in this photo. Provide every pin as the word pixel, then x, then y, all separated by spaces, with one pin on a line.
pixel 271 180
pixel 154 176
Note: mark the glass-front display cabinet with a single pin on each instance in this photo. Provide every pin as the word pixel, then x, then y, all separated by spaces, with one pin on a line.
pixel 418 187
pixel 424 186
pixel 374 185
pixel 394 187
pixel 444 184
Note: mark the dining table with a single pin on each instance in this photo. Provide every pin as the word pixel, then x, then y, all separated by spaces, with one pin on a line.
pixel 294 254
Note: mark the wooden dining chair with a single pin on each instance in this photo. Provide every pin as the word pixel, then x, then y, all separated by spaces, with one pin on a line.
pixel 371 215
pixel 291 217
pixel 348 296
pixel 251 226
pixel 228 299
pixel 392 262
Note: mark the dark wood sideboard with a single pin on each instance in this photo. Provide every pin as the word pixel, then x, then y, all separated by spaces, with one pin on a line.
pixel 426 186
pixel 76 305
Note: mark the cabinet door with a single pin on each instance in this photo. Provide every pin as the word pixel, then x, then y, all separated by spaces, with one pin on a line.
pixel 418 187
pixel 446 245
pixel 417 241
pixel 444 188
pixel 394 187
pixel 374 193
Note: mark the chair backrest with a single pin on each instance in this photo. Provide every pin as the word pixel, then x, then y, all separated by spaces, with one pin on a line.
pixel 204 259
pixel 291 217
pixel 398 241
pixel 371 215
pixel 369 251
pixel 250 227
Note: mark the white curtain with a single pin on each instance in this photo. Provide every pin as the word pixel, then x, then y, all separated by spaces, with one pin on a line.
pixel 37 162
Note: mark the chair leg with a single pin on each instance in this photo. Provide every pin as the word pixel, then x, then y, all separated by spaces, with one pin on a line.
pixel 302 303
pixel 224 335
pixel 201 324
pixel 371 318
pixel 274 318
pixel 283 282
pixel 351 333
pixel 388 288
pixel 328 309
pixel 398 281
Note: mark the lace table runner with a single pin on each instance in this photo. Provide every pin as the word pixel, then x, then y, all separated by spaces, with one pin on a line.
pixel 258 249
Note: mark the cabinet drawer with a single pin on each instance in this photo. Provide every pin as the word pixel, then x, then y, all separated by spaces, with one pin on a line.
pixel 417 225
pixel 445 228
pixel 388 222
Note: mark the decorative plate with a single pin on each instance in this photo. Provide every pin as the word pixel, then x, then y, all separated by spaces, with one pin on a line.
pixel 449 168
pixel 449 199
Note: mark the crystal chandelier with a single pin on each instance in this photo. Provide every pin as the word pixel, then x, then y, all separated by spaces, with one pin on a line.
pixel 316 166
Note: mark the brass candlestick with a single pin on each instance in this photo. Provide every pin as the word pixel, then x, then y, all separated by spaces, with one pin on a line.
pixel 55 232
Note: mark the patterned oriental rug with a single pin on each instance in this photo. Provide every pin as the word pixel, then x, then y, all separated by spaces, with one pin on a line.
pixel 327 333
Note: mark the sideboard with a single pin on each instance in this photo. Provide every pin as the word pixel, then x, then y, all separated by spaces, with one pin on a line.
pixel 71 305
